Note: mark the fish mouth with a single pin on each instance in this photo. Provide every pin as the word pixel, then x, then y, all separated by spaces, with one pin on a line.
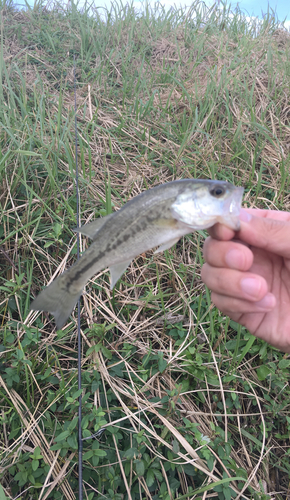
pixel 233 207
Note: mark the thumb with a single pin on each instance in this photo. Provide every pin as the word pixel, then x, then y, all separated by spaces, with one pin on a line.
pixel 263 231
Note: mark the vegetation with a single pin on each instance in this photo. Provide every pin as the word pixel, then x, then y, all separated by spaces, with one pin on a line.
pixel 183 402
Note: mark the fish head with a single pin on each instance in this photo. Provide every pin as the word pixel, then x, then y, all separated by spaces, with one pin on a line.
pixel 205 202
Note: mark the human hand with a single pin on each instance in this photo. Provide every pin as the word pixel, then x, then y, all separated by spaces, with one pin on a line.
pixel 251 284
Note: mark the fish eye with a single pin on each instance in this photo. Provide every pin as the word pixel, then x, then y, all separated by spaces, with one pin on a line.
pixel 217 191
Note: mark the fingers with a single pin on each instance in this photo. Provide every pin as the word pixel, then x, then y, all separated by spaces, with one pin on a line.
pixel 237 275
pixel 235 307
pixel 235 284
pixel 221 232
pixel 235 290
pixel 272 235
pixel 267 229
pixel 232 254
pixel 267 214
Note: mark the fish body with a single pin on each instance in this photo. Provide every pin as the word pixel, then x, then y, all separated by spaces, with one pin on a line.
pixel 157 217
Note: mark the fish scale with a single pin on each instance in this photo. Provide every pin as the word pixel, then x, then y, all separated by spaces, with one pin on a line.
pixel 157 217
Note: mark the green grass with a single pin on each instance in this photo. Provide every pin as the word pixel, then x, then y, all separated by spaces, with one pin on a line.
pixel 189 401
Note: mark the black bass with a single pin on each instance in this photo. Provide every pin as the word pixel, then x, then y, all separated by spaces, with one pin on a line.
pixel 157 217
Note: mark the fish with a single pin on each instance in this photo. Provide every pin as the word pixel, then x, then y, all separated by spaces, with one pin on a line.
pixel 158 217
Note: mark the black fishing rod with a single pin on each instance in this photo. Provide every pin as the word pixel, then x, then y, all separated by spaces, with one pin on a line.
pixel 80 438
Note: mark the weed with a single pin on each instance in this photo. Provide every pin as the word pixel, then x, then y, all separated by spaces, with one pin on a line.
pixel 177 400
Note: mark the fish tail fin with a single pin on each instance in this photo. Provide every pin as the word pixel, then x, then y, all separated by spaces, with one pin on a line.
pixel 58 300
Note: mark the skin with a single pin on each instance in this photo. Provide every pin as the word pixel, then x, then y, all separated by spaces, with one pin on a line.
pixel 248 272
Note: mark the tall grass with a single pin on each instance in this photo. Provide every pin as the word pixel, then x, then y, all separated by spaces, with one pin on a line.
pixel 184 403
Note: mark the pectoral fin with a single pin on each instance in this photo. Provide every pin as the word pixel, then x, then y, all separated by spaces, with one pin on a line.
pixel 92 228
pixel 116 272
pixel 167 245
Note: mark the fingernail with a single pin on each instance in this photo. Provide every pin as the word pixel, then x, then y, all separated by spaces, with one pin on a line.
pixel 234 259
pixel 244 215
pixel 251 286
pixel 268 302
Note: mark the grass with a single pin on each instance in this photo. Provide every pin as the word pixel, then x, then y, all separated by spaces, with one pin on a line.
pixel 185 404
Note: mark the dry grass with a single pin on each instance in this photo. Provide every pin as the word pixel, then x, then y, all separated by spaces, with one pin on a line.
pixel 159 100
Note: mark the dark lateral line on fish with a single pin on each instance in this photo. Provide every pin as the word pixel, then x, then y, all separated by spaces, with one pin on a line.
pixel 84 269
pixel 110 247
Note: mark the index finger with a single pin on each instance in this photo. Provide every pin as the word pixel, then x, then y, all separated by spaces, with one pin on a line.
pixel 221 232
pixel 267 214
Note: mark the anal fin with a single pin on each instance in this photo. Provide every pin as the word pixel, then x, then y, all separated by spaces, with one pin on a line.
pixel 117 270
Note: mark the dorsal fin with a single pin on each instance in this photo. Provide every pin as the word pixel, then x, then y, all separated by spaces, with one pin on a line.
pixel 92 228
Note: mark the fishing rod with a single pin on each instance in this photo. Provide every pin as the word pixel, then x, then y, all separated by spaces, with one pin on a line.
pixel 100 431
pixel 80 438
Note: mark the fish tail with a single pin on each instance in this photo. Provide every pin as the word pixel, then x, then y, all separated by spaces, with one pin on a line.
pixel 57 299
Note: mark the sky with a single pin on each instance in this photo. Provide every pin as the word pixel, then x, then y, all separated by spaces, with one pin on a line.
pixel 255 8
